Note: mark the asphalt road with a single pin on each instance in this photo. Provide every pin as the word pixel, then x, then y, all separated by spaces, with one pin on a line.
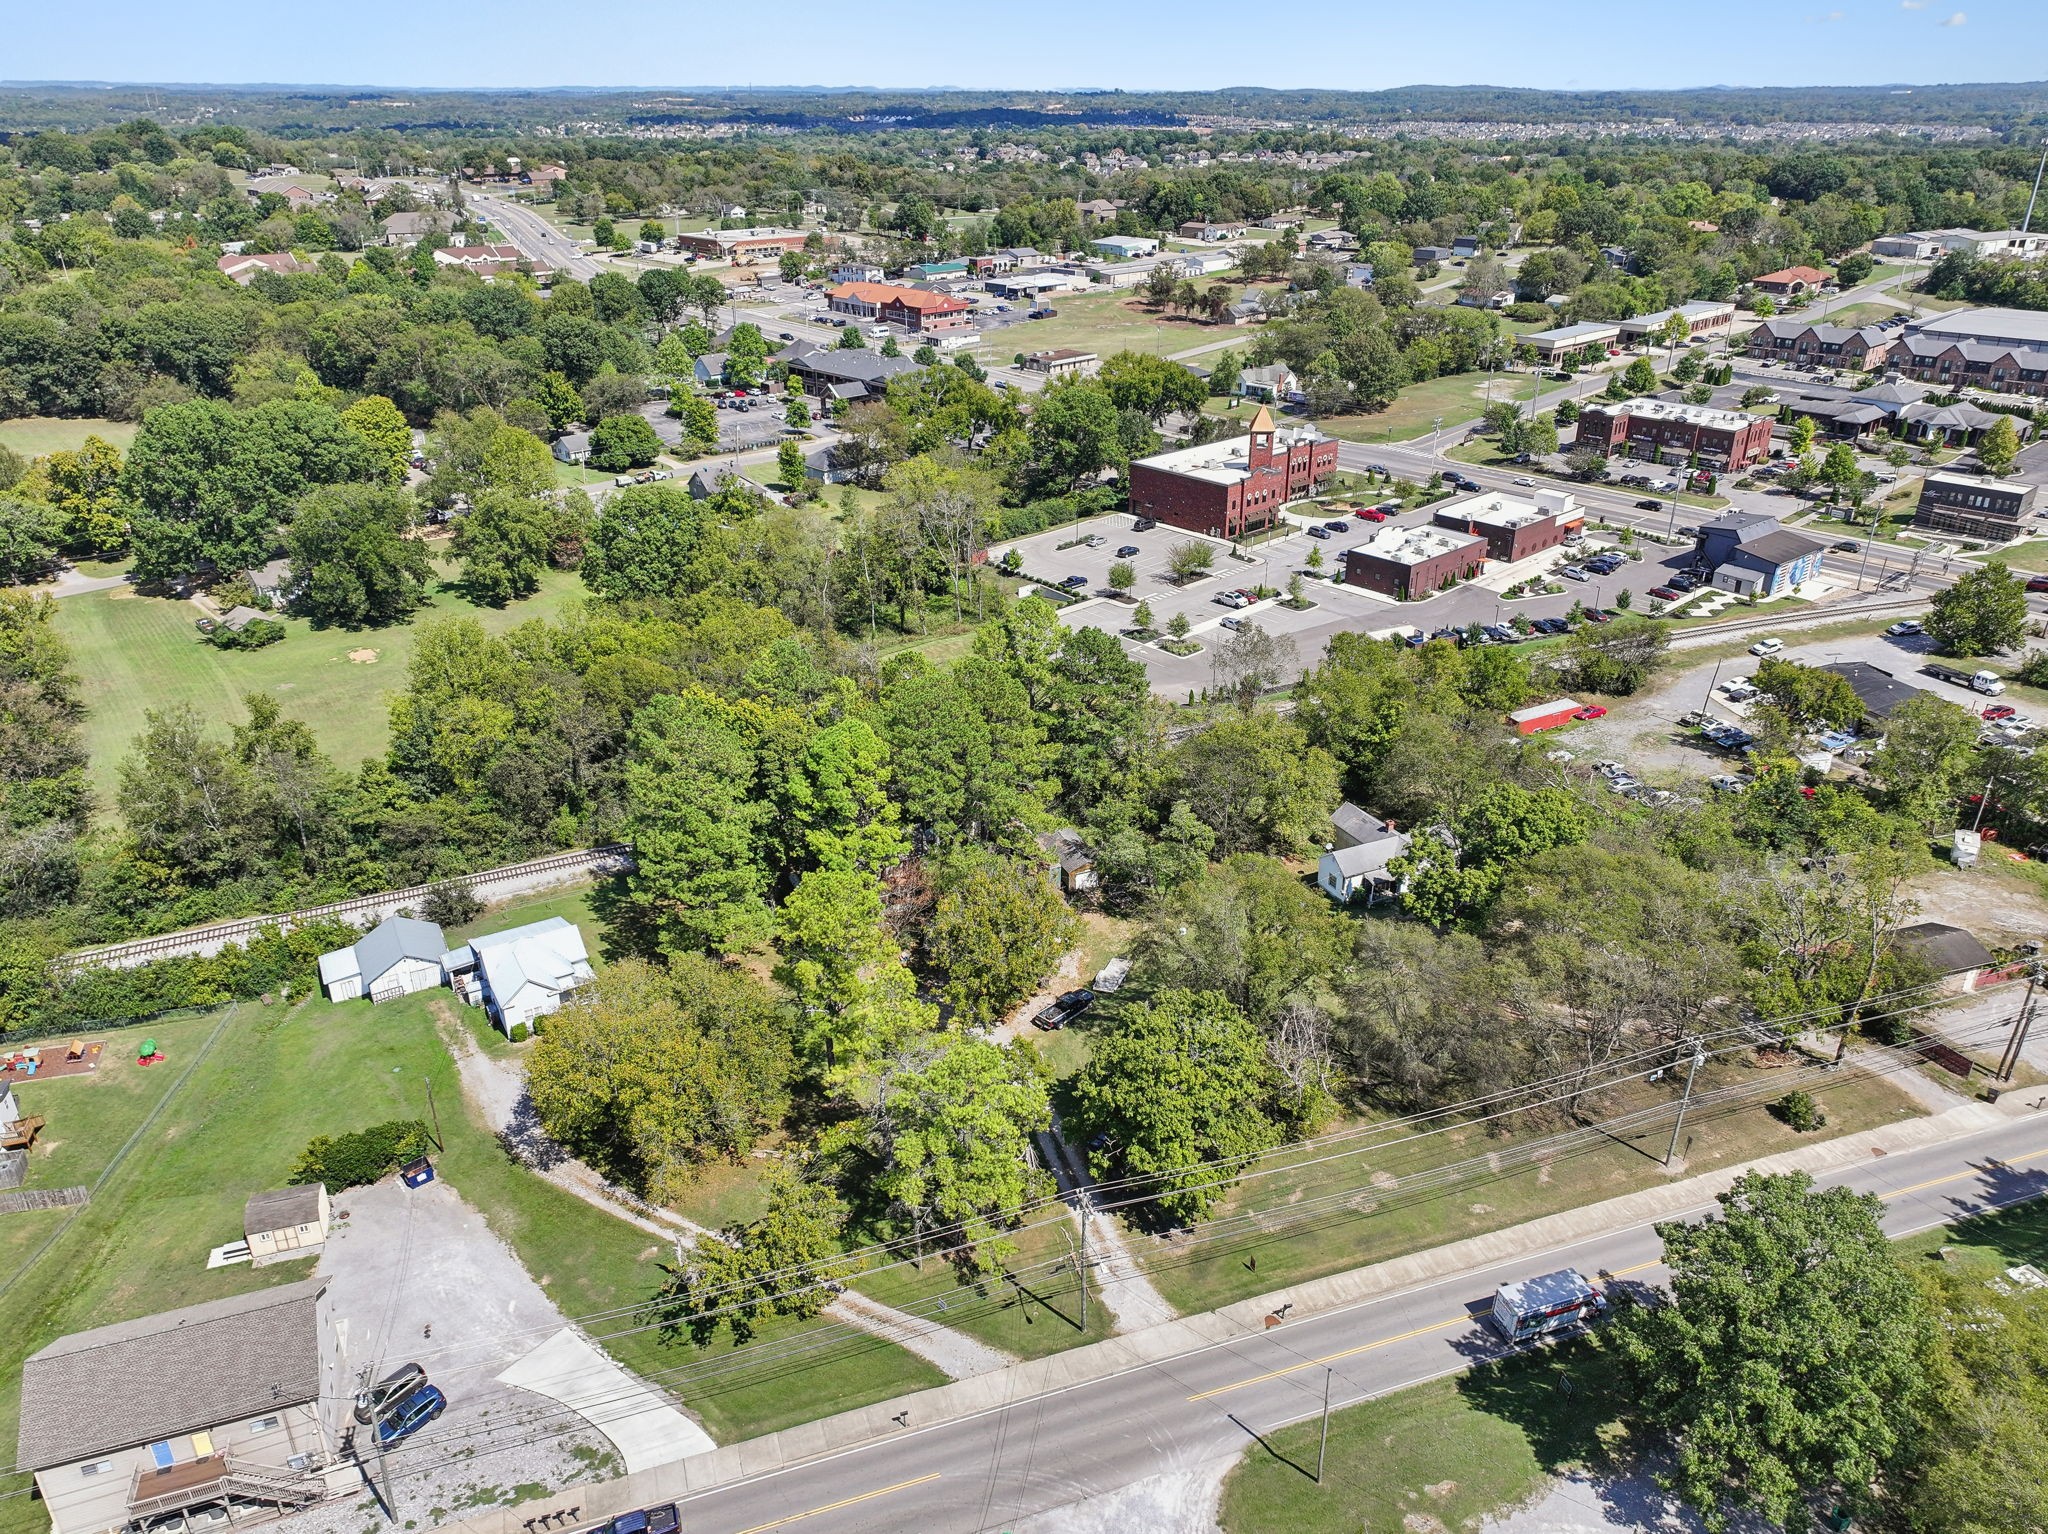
pixel 983 1473
pixel 538 239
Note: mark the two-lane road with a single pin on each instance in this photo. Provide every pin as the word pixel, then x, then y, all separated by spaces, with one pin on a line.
pixel 984 1473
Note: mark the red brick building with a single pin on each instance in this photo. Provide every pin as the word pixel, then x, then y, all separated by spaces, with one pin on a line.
pixel 1512 527
pixel 1234 486
pixel 1409 563
pixel 915 309
pixel 742 247
pixel 1664 431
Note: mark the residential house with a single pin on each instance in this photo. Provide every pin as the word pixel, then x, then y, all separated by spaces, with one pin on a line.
pixel 1408 563
pixel 1514 528
pixel 202 1415
pixel 1358 274
pixel 406 230
pixel 571 446
pixel 1792 282
pixel 1123 247
pixel 398 956
pixel 1097 210
pixel 1063 362
pixel 272 583
pixel 286 1222
pixel 1275 383
pixel 1465 245
pixel 296 197
pixel 245 267
pixel 709 370
pixel 1356 860
pixel 1234 485
pixel 1668 431
pixel 1994 510
pixel 1208 232
pixel 1751 554
pixel 1282 222
pixel 522 974
pixel 1813 343
pixel 486 260
pixel 1248 309
pixel 856 271
pixel 1620 257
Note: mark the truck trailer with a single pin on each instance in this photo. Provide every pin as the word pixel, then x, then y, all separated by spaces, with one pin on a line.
pixel 1535 1307
pixel 1990 683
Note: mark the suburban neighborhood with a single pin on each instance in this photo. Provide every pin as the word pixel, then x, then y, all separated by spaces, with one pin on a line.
pixel 969 808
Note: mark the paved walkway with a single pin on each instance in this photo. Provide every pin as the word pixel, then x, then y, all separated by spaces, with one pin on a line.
pixel 1120 1282
pixel 642 1426
pixel 958 1354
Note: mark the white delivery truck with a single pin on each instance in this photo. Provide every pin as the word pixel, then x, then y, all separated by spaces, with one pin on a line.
pixel 1536 1307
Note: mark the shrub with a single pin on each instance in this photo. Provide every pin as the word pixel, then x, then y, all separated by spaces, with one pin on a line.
pixel 253 635
pixel 271 960
pixel 520 1033
pixel 1799 1111
pixel 361 1157
pixel 452 904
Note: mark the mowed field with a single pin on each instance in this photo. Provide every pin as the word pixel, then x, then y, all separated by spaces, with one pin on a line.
pixel 35 436
pixel 1105 323
pixel 1456 397
pixel 136 653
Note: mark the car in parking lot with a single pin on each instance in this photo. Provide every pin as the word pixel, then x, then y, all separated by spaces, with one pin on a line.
pixel 1573 573
pixel 1338 526
pixel 1143 525
pixel 1063 1011
pixel 2001 711
pixel 1551 626
pixel 1074 582
pixel 1127 551
pixel 1595 615
pixel 1319 532
pixel 1904 627
pixel 1370 514
pixel 1767 647
pixel 1666 593
pixel 1233 598
pixel 1500 633
pixel 1236 624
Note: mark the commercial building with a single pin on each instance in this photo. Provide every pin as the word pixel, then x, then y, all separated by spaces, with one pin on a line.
pixel 485 260
pixel 1514 528
pixel 1994 510
pixel 1930 245
pixel 1201 263
pixel 917 309
pixel 1667 431
pixel 857 271
pixel 1063 362
pixel 1202 229
pixel 1030 286
pixel 1919 245
pixel 936 271
pixel 2003 350
pixel 1123 247
pixel 204 1415
pixel 1703 320
pixel 1751 554
pixel 1587 338
pixel 1792 282
pixel 831 373
pixel 742 247
pixel 1236 485
pixel 1410 562
pixel 1878 690
pixel 1816 344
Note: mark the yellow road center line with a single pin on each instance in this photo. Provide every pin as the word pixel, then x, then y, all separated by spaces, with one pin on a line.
pixel 1420 1331
pixel 833 1507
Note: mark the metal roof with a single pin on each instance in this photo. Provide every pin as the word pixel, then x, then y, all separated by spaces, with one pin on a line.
pixel 184 1371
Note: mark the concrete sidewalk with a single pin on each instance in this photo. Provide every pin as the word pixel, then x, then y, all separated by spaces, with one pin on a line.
pixel 1119 1355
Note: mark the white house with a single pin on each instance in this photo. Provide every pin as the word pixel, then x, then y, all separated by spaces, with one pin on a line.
pixel 1275 384
pixel 398 956
pixel 1361 848
pixel 522 973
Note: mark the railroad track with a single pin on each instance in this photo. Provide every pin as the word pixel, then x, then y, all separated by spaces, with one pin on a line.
pixel 211 939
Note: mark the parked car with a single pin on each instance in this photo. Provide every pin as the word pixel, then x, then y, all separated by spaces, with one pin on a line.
pixel 1338 526
pixel 1767 647
pixel 411 1414
pixel 1235 624
pixel 2001 711
pixel 1319 532
pixel 1143 525
pixel 1591 711
pixel 1127 551
pixel 1073 583
pixel 1595 615
pixel 1096 540
pixel 1573 573
pixel 1904 627
pixel 372 1401
pixel 1232 599
pixel 1370 514
pixel 1500 633
pixel 1666 593
pixel 1063 1011
pixel 1726 783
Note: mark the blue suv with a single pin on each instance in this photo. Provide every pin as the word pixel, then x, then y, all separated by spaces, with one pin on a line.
pixel 412 1414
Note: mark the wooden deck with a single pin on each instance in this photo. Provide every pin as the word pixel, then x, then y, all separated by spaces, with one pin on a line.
pixel 22 1200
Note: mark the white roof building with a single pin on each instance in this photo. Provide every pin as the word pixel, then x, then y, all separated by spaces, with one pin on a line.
pixel 398 956
pixel 522 973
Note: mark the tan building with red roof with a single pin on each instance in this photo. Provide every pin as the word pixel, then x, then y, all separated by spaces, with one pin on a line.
pixel 247 267
pixel 1791 282
pixel 915 309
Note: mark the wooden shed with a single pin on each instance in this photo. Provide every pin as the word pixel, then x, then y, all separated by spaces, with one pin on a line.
pixel 286 1221
pixel 1543 716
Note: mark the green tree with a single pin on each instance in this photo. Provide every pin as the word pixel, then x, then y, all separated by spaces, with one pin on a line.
pixel 1999 446
pixel 1189 559
pixel 1152 386
pixel 559 398
pixel 796 413
pixel 354 561
pixel 856 1000
pixel 1838 469
pixel 505 542
pixel 1809 696
pixel 1249 929
pixel 187 800
pixel 1072 437
pixel 836 804
pixel 787 1263
pixel 1927 754
pixel 699 882
pixel 1254 780
pixel 1801 436
pixel 30 533
pixel 384 432
pixel 1791 1357
pixel 652 541
pixel 998 929
pixel 1640 377
pixel 1983 613
pixel 700 423
pixel 791 470
pixel 1183 1080
pixel 622 442
pixel 951 1130
pixel 1123 575
pixel 86 490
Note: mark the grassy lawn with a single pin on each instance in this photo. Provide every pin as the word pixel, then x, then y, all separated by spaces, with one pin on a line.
pixel 1457 398
pixel 1104 323
pixel 1436 1456
pixel 34 436
pixel 137 653
pixel 1858 314
pixel 2024 556
pixel 1375 1222
pixel 574 476
pixel 273 1078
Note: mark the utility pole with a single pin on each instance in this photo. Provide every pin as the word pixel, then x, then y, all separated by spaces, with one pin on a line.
pixel 2022 1025
pixel 2027 222
pixel 1323 1452
pixel 1982 800
pixel 1699 1059
pixel 435 1112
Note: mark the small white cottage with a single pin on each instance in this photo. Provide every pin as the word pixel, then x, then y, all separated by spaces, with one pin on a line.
pixel 398 956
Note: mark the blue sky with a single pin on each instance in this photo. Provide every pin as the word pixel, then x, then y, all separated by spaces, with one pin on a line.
pixel 1051 44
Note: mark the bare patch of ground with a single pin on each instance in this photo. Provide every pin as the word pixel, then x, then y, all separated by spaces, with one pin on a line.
pixel 363 657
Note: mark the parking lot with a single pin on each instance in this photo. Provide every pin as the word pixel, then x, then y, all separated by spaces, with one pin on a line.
pixel 1339 608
